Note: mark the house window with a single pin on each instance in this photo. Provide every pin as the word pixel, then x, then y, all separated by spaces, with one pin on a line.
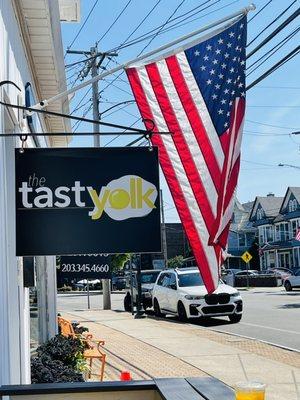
pixel 296 257
pixel 269 234
pixel 292 205
pixel 261 234
pixel 294 225
pixel 260 214
pixel 242 240
pixel 295 204
pixel 277 232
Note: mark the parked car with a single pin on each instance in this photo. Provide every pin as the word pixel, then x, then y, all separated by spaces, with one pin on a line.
pixel 280 272
pixel 250 272
pixel 148 278
pixel 292 282
pixel 182 292
pixel 228 275
pixel 118 282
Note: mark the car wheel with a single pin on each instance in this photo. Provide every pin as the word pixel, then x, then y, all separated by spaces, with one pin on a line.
pixel 288 286
pixel 156 307
pixel 181 312
pixel 127 303
pixel 235 318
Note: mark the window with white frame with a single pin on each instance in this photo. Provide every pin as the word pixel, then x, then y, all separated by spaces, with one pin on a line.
pixel 260 214
pixel 269 234
pixel 277 232
pixel 261 236
pixel 292 205
pixel 294 228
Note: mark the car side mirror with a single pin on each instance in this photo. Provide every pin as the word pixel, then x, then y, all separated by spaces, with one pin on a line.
pixel 173 286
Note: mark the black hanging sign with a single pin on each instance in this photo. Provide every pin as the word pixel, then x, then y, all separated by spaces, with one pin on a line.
pixel 87 201
pixel 85 266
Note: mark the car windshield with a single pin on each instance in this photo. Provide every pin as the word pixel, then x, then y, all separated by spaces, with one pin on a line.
pixel 149 277
pixel 190 280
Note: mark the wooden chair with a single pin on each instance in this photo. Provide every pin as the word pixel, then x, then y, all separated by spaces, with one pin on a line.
pixel 93 352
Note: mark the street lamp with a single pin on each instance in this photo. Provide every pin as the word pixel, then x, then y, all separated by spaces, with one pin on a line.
pixel 289 165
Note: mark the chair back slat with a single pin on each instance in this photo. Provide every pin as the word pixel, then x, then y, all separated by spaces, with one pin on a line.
pixel 66 327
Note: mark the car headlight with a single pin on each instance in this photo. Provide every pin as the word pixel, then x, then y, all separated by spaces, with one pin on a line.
pixel 235 294
pixel 191 297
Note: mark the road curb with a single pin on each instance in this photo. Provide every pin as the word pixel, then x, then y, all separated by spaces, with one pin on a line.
pixel 257 340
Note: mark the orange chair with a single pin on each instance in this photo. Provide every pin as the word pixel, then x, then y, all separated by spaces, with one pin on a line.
pixel 66 329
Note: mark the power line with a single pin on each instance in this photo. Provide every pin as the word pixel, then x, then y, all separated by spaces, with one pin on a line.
pixel 278 87
pixel 270 106
pixel 258 12
pixel 272 51
pixel 279 64
pixel 114 22
pixel 82 26
pixel 153 31
pixel 273 126
pixel 275 32
pixel 140 24
pixel 157 33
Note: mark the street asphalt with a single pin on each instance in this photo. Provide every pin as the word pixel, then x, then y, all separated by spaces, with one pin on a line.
pixel 270 314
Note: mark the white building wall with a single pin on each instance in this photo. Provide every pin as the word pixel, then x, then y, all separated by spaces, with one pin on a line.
pixel 14 299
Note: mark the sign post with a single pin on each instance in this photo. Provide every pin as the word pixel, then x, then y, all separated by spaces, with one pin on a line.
pixel 246 257
pixel 88 293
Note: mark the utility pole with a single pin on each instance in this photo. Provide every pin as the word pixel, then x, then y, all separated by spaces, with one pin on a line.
pixel 163 230
pixel 93 67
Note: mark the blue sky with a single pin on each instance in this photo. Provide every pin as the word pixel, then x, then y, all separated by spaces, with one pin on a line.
pixel 273 105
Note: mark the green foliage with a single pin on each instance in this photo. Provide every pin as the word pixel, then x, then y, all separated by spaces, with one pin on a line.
pixel 175 262
pixel 60 359
pixel 118 261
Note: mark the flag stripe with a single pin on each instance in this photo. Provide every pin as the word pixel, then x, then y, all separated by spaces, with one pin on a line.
pixel 179 185
pixel 192 114
pixel 201 108
pixel 183 138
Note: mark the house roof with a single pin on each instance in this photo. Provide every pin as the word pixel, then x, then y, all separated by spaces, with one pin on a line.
pixel 270 204
pixel 291 189
pixel 248 206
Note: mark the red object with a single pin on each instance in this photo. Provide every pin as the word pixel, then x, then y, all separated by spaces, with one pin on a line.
pixel 125 376
pixel 198 94
pixel 297 237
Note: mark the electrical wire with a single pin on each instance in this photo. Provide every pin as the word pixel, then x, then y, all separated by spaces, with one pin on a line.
pixel 279 64
pixel 272 126
pixel 272 51
pixel 158 32
pixel 81 100
pixel 152 32
pixel 278 87
pixel 259 11
pixel 114 22
pixel 82 26
pixel 140 24
pixel 296 13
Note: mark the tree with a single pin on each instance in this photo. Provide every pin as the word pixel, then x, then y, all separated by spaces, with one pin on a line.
pixel 175 262
pixel 118 261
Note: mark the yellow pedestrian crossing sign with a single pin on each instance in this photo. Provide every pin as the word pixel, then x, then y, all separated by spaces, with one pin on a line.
pixel 246 256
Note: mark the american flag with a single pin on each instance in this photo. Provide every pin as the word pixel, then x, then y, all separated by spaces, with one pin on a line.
pixel 198 93
pixel 297 237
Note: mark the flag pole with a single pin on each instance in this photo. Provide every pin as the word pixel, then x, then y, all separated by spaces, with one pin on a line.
pixel 45 103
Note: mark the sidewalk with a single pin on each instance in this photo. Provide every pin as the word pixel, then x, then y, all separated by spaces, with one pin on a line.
pixel 163 348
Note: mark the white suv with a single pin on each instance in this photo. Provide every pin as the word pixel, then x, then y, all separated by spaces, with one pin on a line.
pixel 182 292
pixel 292 281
